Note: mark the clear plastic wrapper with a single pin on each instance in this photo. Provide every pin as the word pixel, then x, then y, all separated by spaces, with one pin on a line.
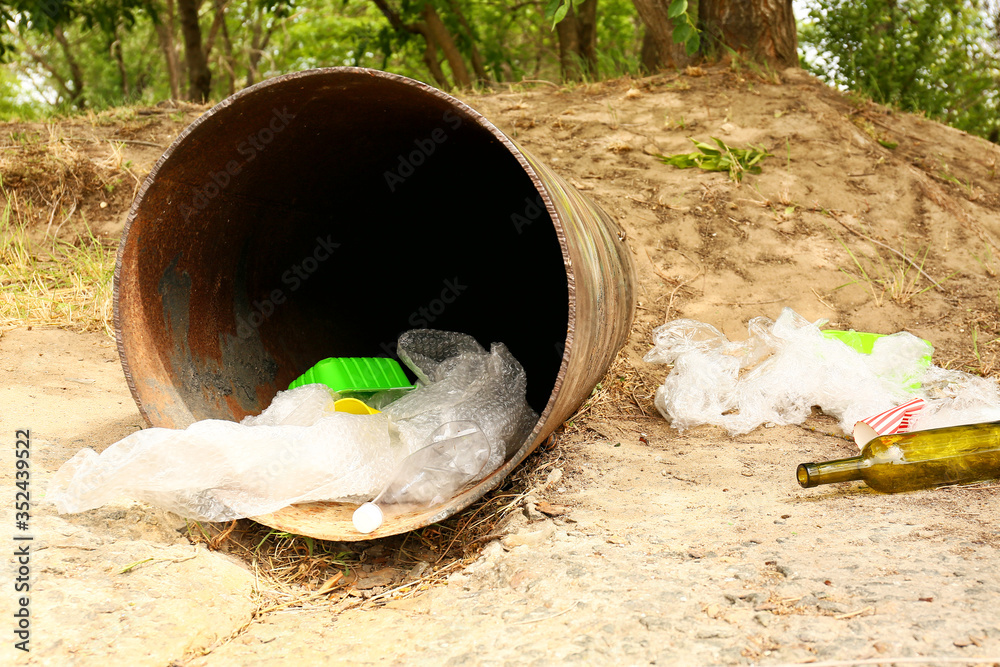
pixel 456 454
pixel 299 450
pixel 955 398
pixel 295 451
pixel 785 367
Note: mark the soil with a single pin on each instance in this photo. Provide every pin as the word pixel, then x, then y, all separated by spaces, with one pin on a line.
pixel 629 542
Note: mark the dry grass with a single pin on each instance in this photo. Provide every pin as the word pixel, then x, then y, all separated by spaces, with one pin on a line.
pixel 53 282
pixel 57 170
pixel 624 393
pixel 56 271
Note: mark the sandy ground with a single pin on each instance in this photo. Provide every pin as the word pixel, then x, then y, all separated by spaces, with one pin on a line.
pixel 689 548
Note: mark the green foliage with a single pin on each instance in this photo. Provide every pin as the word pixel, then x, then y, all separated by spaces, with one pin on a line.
pixel 685 26
pixel 356 36
pixel 720 157
pixel 558 9
pixel 44 16
pixel 258 39
pixel 40 15
pixel 13 104
pixel 934 56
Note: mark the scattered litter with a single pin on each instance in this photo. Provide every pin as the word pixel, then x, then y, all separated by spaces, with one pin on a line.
pixel 455 455
pixel 356 374
pixel 300 449
pixel 894 420
pixel 786 367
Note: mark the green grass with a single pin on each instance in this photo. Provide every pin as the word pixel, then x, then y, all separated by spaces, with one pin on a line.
pixel 890 276
pixel 53 282
pixel 721 157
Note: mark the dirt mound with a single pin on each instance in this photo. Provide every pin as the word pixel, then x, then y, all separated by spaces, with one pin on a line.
pixel 874 220
pixel 66 175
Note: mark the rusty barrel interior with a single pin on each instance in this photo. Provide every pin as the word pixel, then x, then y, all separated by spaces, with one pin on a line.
pixel 324 219
pixel 323 213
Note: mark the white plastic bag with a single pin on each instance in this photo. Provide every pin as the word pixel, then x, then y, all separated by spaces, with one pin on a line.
pixel 298 450
pixel 786 367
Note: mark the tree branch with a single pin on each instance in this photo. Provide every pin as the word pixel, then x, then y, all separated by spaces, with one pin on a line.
pixel 217 22
pixel 58 78
pixel 422 29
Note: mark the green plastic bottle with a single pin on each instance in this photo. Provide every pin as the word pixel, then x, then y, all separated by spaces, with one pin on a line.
pixel 916 460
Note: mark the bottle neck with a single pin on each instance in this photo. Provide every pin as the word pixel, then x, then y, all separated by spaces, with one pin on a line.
pixel 829 472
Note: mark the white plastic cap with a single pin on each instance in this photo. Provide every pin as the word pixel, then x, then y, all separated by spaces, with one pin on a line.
pixel 367 518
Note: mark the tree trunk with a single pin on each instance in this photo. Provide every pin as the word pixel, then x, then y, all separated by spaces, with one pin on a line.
pixel 199 76
pixel 421 28
pixel 218 22
pixel 569 47
pixel 440 34
pixel 254 56
pixel 260 39
pixel 586 30
pixel 763 29
pixel 165 34
pixel 431 58
pixel 649 55
pixel 662 52
pixel 75 73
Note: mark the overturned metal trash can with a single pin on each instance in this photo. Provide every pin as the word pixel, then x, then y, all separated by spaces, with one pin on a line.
pixel 324 212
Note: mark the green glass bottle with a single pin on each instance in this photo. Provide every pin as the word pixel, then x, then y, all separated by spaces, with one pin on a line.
pixel 916 460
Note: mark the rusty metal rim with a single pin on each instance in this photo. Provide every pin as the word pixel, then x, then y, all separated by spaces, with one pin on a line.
pixel 491 482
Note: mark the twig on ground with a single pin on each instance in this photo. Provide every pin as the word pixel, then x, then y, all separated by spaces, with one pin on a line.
pixel 852 614
pixel 821 299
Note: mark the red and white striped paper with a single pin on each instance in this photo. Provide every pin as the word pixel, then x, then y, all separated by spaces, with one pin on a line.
pixel 896 420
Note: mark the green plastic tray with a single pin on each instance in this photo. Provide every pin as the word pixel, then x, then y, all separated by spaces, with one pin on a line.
pixel 355 374
pixel 865 342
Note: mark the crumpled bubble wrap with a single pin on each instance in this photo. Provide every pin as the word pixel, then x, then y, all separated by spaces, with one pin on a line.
pixel 462 382
pixel 299 450
pixel 785 367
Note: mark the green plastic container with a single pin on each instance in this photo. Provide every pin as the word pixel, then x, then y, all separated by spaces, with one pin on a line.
pixel 355 374
pixel 865 343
